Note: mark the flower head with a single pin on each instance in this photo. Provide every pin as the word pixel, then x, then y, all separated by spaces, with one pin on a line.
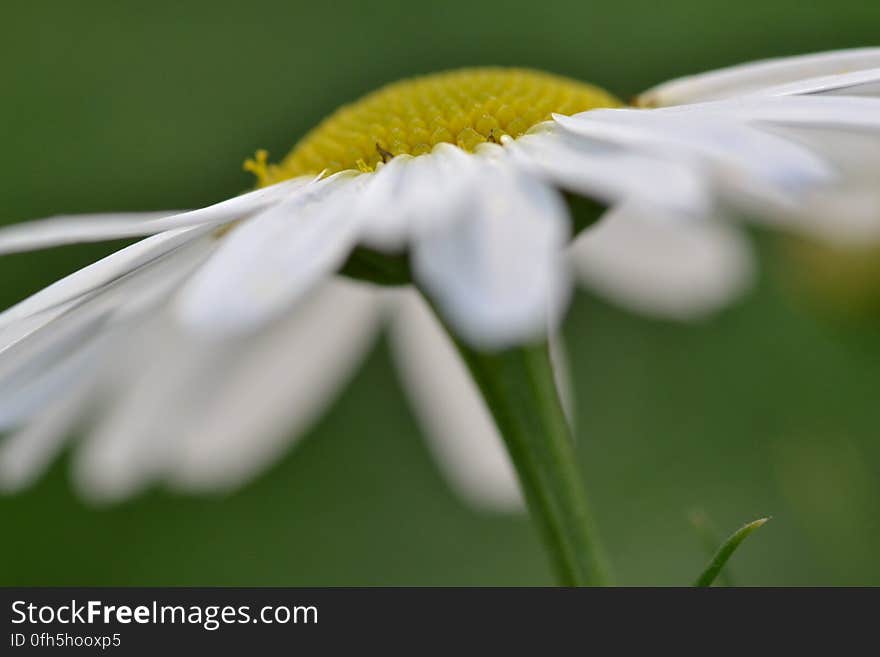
pixel 456 181
pixel 466 108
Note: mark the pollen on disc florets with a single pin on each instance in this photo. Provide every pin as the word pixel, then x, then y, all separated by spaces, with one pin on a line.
pixel 465 107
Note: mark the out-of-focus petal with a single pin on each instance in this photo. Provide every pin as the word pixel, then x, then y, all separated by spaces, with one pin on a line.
pixel 494 269
pixel 209 415
pixel 846 213
pixel 132 442
pixel 278 386
pixel 27 392
pixel 41 353
pixel 610 173
pixel 460 431
pixel 662 266
pixel 743 157
pixel 27 453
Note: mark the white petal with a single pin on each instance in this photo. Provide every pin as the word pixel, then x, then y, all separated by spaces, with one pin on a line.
pixel 857 83
pixel 26 454
pixel 24 393
pixel 842 112
pixel 460 431
pixel 752 77
pixel 79 317
pixel 101 274
pixel 56 231
pixel 37 366
pixel 386 228
pixel 664 267
pixel 610 173
pixel 848 212
pixel 745 157
pixel 806 162
pixel 858 114
pixel 266 264
pixel 153 376
pixel 277 388
pixel 412 194
pixel 494 270
pixel 41 353
pixel 211 414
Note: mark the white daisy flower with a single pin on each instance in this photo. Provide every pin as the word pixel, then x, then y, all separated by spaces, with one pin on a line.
pixel 195 355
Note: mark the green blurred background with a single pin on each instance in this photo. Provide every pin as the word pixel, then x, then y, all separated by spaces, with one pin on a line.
pixel 769 408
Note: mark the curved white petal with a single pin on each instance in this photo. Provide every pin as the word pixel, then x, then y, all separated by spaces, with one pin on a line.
pixel 742 154
pixel 842 112
pixel 846 213
pixel 610 173
pixel 662 266
pixel 808 163
pixel 266 264
pixel 380 201
pixel 277 388
pixel 71 229
pixel 495 269
pixel 460 431
pixel 857 83
pixel 101 274
pixel 752 77
pixel 42 352
pixel 412 194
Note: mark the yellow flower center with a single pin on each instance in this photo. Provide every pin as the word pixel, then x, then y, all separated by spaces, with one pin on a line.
pixel 466 107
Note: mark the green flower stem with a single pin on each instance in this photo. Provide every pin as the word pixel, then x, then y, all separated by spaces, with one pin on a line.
pixel 520 391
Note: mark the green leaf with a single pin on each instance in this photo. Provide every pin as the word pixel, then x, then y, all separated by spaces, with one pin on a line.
pixel 710 540
pixel 726 551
